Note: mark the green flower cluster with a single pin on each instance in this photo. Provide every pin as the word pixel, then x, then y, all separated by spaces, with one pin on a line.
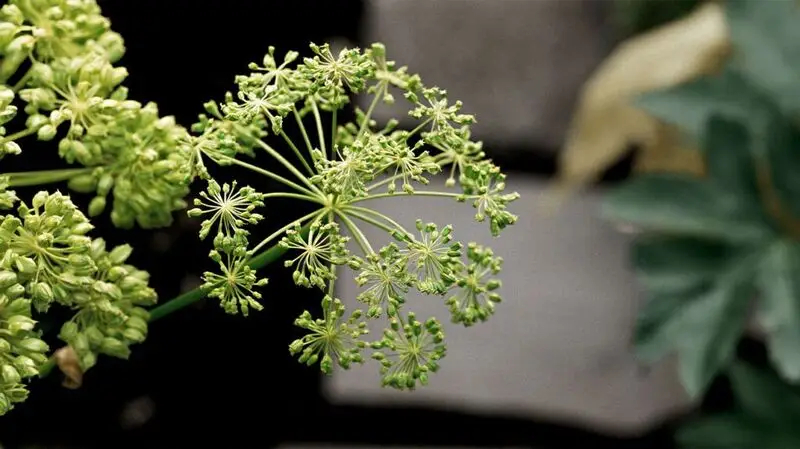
pixel 338 167
pixel 73 93
pixel 58 64
pixel 47 258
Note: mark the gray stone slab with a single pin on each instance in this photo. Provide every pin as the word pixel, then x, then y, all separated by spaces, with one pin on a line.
pixel 559 346
pixel 518 65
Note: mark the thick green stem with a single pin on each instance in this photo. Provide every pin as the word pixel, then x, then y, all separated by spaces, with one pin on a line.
pixel 34 178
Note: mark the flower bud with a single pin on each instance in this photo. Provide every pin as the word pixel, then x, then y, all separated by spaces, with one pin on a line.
pixel 43 292
pixel 33 345
pixel 82 228
pixel 15 291
pixel 10 374
pixel 69 331
pixel 7 279
pixel 134 335
pixel 105 184
pixel 20 323
pixel 114 347
pixel 97 206
pixel 120 254
pixel 94 336
pixel 25 265
pixel 36 120
pixel 7 32
pixel 46 132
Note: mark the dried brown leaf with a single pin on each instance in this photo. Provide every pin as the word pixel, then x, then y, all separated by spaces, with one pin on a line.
pixel 67 362
pixel 606 124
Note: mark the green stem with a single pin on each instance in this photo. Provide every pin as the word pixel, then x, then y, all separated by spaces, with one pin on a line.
pixel 303 132
pixel 356 210
pixel 289 166
pixel 19 84
pixel 287 227
pixel 33 178
pixel 371 109
pixel 334 125
pixel 359 236
pixel 416 193
pixel 320 133
pixel 298 153
pixel 268 174
pixel 418 128
pixel 373 222
pixel 384 182
pixel 297 196
pixel 18 135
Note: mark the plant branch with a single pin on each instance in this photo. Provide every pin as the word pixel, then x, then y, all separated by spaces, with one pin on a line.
pixel 33 178
pixel 320 133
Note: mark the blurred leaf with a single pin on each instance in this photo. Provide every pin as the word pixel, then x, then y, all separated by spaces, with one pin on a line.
pixel 673 265
pixel 702 326
pixel 766 36
pixel 730 159
pixel 635 16
pixel 733 431
pixel 765 416
pixel 606 123
pixel 781 145
pixel 779 307
pixel 689 106
pixel 683 205
pixel 764 396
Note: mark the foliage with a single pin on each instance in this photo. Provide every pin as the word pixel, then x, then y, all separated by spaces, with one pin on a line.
pixel 59 65
pixel 711 246
pixel 764 416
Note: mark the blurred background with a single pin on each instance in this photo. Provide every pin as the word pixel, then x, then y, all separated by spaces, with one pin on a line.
pixel 552 369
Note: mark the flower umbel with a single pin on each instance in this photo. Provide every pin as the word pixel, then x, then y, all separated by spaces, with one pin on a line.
pixel 409 351
pixel 477 297
pixel 333 339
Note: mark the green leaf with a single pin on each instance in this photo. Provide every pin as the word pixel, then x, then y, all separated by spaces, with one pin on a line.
pixel 703 326
pixel 709 329
pixel 779 305
pixel 781 145
pixel 764 396
pixel 674 265
pixel 733 431
pixel 766 40
pixel 689 106
pixel 729 159
pixel 657 324
pixel 684 205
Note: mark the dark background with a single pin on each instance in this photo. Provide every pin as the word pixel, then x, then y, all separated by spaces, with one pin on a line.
pixel 208 377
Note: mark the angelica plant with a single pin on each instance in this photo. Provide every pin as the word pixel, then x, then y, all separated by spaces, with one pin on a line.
pixel 60 81
pixel 340 168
